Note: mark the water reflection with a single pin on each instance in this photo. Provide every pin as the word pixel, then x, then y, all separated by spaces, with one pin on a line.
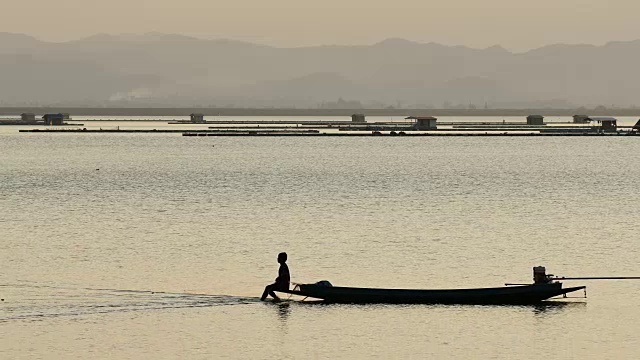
pixel 555 307
pixel 284 310
pixel 542 309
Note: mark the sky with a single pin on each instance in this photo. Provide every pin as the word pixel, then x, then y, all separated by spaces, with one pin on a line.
pixel 514 24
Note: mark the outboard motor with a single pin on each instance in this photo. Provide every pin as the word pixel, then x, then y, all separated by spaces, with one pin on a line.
pixel 540 275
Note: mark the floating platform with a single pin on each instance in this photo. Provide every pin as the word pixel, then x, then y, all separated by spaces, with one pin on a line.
pixel 312 132
pixel 31 123
pixel 93 131
pixel 260 122
pixel 170 131
pixel 415 134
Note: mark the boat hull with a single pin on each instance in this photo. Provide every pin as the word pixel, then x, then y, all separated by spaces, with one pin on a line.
pixel 523 294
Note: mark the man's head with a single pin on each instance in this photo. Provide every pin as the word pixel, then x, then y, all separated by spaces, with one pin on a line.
pixel 282 257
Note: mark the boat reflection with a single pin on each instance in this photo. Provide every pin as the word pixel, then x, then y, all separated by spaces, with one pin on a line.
pixel 544 308
pixel 284 310
pixel 554 307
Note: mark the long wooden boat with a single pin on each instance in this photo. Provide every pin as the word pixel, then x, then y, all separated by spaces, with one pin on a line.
pixel 521 294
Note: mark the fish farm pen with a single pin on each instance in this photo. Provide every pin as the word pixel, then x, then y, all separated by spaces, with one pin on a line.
pixel 423 126
pixel 444 132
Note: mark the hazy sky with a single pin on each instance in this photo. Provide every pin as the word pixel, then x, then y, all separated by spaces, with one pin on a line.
pixel 515 24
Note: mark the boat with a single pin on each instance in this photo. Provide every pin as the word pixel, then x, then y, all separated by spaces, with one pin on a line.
pixel 542 289
pixel 517 295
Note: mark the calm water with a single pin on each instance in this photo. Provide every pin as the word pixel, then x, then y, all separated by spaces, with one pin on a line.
pixel 163 251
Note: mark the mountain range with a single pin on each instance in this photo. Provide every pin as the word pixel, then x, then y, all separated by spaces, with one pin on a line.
pixel 158 69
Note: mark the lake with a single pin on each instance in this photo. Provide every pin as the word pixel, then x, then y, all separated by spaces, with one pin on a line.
pixel 137 246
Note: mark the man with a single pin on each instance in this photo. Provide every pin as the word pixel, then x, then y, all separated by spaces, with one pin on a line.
pixel 282 281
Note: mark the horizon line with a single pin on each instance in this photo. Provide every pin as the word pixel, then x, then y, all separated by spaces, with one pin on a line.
pixel 192 37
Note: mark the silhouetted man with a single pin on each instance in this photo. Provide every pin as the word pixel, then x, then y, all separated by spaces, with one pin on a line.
pixel 282 281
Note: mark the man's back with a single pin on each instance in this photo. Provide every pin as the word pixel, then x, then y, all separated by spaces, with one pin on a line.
pixel 284 277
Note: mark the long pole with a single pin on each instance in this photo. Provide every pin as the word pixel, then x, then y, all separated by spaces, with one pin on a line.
pixel 599 278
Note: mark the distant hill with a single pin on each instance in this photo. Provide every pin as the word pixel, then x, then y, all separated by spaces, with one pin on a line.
pixel 176 70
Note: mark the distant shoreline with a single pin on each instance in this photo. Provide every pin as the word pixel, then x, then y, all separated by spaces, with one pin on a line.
pixel 93 111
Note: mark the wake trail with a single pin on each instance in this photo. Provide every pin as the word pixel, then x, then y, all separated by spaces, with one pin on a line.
pixel 41 301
